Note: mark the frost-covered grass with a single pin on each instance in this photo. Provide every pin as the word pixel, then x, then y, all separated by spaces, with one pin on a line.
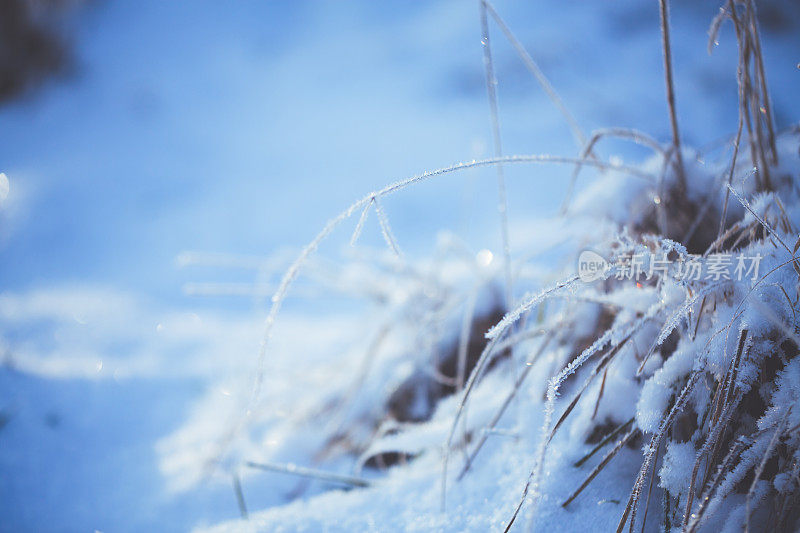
pixel 660 402
pixel 469 389
pixel 699 375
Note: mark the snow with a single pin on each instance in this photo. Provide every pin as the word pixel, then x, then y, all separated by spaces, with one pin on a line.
pixel 125 405
pixel 677 466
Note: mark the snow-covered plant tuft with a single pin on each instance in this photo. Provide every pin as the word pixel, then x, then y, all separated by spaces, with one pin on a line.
pixel 650 398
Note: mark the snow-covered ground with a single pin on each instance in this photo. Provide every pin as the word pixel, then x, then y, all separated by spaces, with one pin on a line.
pixel 157 195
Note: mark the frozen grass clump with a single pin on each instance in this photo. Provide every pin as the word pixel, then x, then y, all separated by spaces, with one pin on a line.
pixel 647 398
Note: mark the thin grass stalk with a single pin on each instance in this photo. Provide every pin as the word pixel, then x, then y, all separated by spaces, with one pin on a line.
pixel 602 364
pixel 600 394
pixel 650 490
pixel 760 469
pixel 763 222
pixel 361 376
pixel 463 340
pixel 707 495
pixel 534 478
pixel 633 135
pixel 488 351
pixel 740 123
pixel 744 39
pixel 499 414
pixel 756 100
pixel 360 225
pixel 502 201
pixel 386 229
pixel 596 470
pixel 599 446
pixel 309 473
pixel 237 489
pixel 534 69
pixel 680 402
pixel 673 116
pixel 763 81
pixel 705 451
pixel 759 96
pixel 739 308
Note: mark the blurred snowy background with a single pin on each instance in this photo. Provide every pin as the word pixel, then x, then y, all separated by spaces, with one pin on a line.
pixel 163 178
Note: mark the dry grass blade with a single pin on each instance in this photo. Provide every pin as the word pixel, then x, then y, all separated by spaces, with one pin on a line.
pixel 760 469
pixel 499 414
pixel 552 394
pixel 337 421
pixel 502 202
pixel 713 30
pixel 610 455
pixel 763 222
pixel 740 124
pixel 705 451
pixel 740 307
pixel 753 95
pixel 360 225
pixel 673 118
pixel 237 489
pixel 680 402
pixel 720 240
pixel 386 229
pixel 630 134
pixel 463 340
pixel 672 322
pixel 760 104
pixel 650 490
pixel 726 403
pixel 310 473
pixel 699 316
pixel 600 393
pixel 600 445
pixel 762 78
pixel 518 508
pixel 534 69
pixel 696 518
pixel 603 362
pixel 485 356
pixel 528 304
